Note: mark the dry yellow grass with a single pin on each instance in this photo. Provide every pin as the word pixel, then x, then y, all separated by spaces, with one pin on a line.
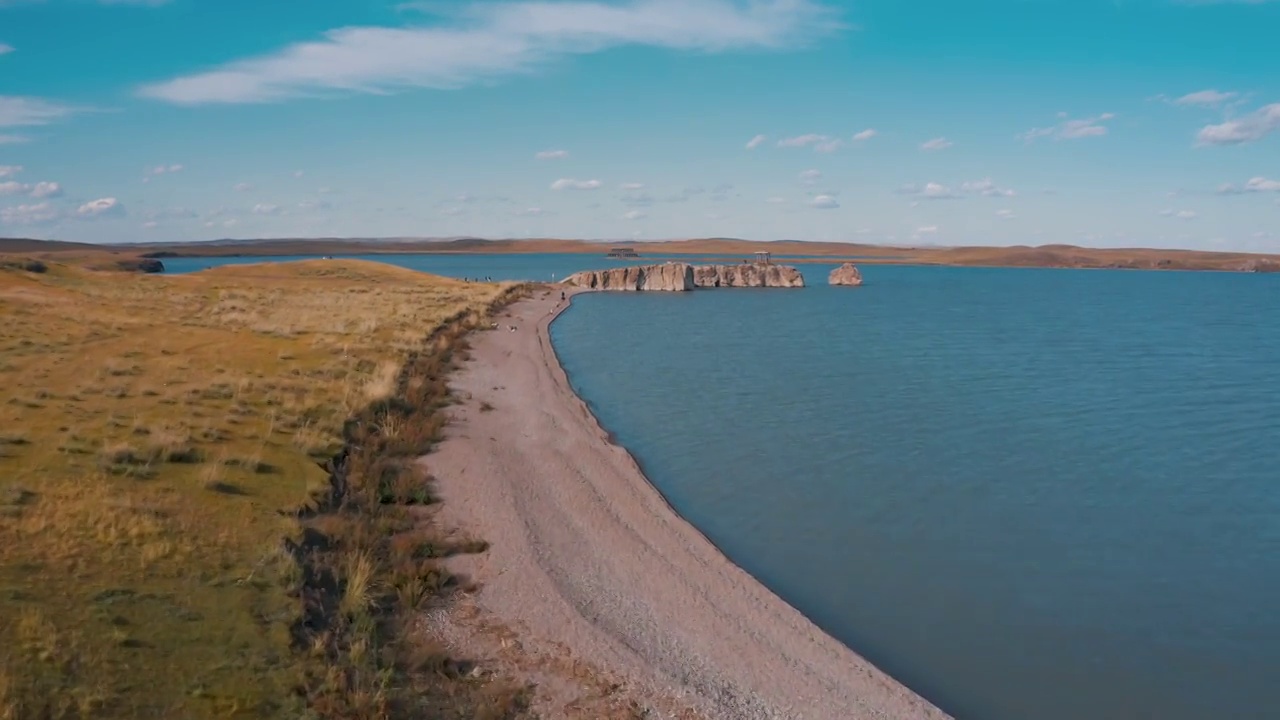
pixel 152 428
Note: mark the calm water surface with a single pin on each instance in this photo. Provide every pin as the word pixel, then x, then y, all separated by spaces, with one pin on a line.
pixel 1025 493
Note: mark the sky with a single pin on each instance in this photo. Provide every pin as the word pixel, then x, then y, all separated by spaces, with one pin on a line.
pixel 1104 123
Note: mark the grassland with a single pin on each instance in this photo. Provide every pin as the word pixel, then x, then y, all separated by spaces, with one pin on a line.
pixel 207 504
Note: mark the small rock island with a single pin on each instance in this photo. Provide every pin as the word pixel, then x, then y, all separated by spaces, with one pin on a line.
pixel 683 277
pixel 846 274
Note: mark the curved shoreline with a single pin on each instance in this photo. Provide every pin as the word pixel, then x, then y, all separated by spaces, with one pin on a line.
pixel 594 587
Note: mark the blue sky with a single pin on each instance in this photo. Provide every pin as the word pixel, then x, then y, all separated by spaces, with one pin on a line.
pixel 1093 122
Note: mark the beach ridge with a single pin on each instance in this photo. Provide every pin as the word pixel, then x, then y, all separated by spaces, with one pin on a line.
pixel 600 578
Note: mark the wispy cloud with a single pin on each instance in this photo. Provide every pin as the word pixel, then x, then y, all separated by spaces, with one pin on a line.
pixel 37 214
pixel 1253 185
pixel 928 191
pixel 810 177
pixel 987 188
pixel 1180 214
pixel 1246 129
pixel 571 184
pixel 10 170
pixel 484 41
pixel 800 141
pixel 824 202
pixel 5 48
pixel 102 207
pixel 242 187
pixel 865 135
pixel 1069 129
pixel 755 142
pixel 1209 98
pixel 1005 214
pixel 936 144
pixel 551 155
pixel 20 111
pixel 13 139
pixel 634 215
pixel 44 189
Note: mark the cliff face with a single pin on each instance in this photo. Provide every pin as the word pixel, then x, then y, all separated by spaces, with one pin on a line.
pixel 679 277
pixel 846 274
pixel 747 275
pixel 669 277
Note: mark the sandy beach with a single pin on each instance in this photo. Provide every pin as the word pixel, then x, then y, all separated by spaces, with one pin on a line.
pixel 593 587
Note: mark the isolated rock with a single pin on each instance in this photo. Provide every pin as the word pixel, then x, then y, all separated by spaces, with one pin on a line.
pixel 846 274
pixel 747 275
pixel 668 277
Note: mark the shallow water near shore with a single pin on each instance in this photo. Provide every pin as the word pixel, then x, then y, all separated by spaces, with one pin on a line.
pixel 1024 493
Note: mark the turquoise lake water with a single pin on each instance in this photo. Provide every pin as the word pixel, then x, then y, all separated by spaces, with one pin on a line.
pixel 1046 494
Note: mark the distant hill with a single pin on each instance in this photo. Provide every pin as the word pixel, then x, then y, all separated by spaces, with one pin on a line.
pixel 1067 256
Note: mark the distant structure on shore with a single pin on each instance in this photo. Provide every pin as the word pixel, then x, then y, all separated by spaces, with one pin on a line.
pixel 623 252
pixel 764 257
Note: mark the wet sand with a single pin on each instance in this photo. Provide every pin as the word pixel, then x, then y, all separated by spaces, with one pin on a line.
pixel 593 587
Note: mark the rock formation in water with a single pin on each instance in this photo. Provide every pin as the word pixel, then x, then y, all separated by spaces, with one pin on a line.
pixel 747 275
pixel 670 277
pixel 846 274
pixel 676 276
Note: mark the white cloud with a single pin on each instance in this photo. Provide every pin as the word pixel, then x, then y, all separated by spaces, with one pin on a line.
pixel 634 215
pixel 1256 184
pixel 829 145
pixel 298 173
pixel 37 214
pixel 809 177
pixel 162 169
pixel 755 142
pixel 929 191
pixel 102 207
pixel 13 187
pixel 9 170
pixel 45 189
pixel 491 40
pixel 531 212
pixel 1205 97
pixel 986 187
pixel 1249 128
pixel 1005 214
pixel 632 186
pixel 1070 129
pixel 266 209
pixel 551 155
pixel 150 225
pixel 865 135
pixel 230 223
pixel 242 187
pixel 5 48
pixel 18 111
pixel 927 230
pixel 824 202
pixel 938 143
pixel 309 205
pixel 776 200
pixel 800 141
pixel 571 184
pixel 1180 214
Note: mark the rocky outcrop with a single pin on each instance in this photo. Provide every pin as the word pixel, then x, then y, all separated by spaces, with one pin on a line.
pixel 678 277
pixel 669 277
pixel 846 274
pixel 747 275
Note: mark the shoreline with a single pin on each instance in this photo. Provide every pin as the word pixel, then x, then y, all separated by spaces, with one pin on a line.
pixel 594 588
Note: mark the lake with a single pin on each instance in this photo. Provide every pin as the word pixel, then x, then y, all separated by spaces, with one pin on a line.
pixel 1026 493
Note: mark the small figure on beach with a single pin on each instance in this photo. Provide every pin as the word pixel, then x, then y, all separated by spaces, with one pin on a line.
pixel 561 296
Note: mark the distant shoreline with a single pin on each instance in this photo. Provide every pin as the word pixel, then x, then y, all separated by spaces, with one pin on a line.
pixel 1046 256
pixel 600 579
